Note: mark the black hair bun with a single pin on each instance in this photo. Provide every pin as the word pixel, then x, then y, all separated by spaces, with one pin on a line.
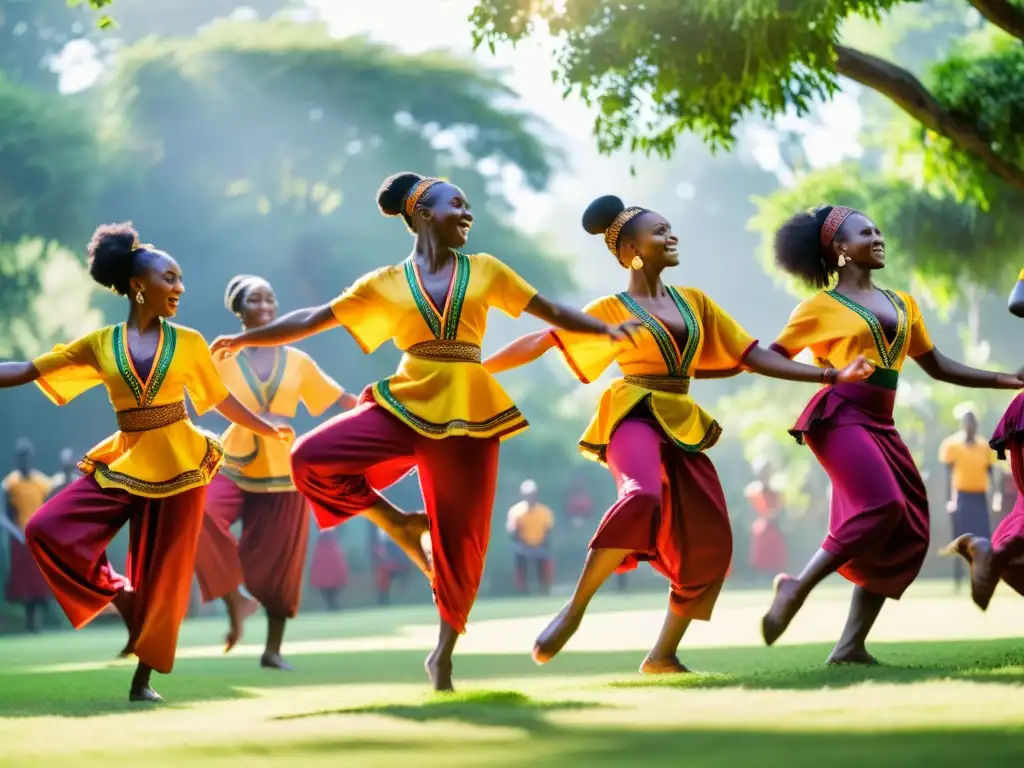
pixel 112 256
pixel 392 193
pixel 601 213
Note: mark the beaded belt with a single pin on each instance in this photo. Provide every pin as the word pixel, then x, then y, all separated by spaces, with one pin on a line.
pixel 676 384
pixel 154 417
pixel 446 351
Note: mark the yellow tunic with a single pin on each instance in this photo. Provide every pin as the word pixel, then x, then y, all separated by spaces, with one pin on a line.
pixel 26 494
pixel 438 398
pixel 837 329
pixel 971 463
pixel 251 461
pixel 157 462
pixel 715 342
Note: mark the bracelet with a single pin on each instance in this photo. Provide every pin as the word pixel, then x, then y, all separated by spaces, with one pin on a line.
pixel 829 376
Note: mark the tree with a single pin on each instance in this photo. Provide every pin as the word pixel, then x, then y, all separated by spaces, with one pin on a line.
pixel 658 68
pixel 49 166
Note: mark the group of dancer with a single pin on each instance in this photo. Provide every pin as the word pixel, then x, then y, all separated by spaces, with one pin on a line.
pixel 444 415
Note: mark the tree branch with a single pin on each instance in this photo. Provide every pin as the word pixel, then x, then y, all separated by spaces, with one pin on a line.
pixel 1005 14
pixel 908 93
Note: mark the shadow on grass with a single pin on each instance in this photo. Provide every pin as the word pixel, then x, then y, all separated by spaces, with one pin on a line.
pixel 100 691
pixel 946 747
pixel 505 709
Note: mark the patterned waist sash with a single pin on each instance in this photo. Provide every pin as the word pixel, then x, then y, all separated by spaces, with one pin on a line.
pixel 154 417
pixel 445 351
pixel 676 384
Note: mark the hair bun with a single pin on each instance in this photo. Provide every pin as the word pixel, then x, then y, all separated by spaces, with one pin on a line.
pixel 112 252
pixel 392 193
pixel 601 213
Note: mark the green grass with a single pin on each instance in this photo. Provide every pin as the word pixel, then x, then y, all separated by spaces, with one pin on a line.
pixel 949 693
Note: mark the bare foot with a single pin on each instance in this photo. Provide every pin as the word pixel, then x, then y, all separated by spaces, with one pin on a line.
pixel 977 551
pixel 556 635
pixel 239 610
pixel 670 665
pixel 275 661
pixel 440 672
pixel 144 693
pixel 125 605
pixel 842 656
pixel 784 607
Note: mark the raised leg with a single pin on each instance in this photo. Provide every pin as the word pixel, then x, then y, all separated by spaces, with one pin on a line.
pixel 629 527
pixel 341 465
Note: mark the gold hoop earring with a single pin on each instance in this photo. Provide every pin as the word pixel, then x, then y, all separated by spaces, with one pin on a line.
pixel 139 298
pixel 637 263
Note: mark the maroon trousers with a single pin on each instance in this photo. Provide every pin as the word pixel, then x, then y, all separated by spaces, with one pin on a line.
pixel 341 464
pixel 69 536
pixel 25 582
pixel 270 557
pixel 670 512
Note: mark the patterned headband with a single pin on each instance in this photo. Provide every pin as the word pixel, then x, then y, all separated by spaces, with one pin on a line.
pixel 611 235
pixel 238 287
pixel 418 190
pixel 833 222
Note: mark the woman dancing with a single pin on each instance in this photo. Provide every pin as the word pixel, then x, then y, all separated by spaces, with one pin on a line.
pixel 441 411
pixel 879 525
pixel 1003 556
pixel 255 484
pixel 650 433
pixel 152 474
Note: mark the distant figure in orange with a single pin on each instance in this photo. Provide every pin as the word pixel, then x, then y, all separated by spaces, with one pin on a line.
pixel 25 489
pixel 530 524
pixel 768 554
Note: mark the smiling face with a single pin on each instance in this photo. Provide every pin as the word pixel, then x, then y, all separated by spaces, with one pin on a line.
pixel 860 240
pixel 259 305
pixel 446 211
pixel 159 281
pixel 649 235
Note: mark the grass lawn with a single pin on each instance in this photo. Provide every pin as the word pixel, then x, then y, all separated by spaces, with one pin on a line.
pixel 951 692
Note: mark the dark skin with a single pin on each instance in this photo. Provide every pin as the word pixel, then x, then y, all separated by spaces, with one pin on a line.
pixel 970 427
pixel 441 223
pixel 159 283
pixel 259 307
pixel 986 563
pixel 649 238
pixel 24 463
pixel 860 244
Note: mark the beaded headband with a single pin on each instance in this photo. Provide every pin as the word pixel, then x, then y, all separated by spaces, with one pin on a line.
pixel 239 286
pixel 611 235
pixel 833 222
pixel 418 190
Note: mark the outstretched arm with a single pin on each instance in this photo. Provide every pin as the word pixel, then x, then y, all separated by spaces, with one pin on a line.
pixel 235 412
pixel 942 368
pixel 287 329
pixel 768 362
pixel 575 321
pixel 16 374
pixel 521 351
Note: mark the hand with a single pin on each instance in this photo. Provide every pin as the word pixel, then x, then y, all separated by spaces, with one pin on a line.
pixel 951 506
pixel 858 370
pixel 224 347
pixel 285 433
pixel 624 331
pixel 1009 381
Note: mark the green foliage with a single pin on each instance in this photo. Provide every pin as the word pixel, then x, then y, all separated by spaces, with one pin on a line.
pixel 48 166
pixel 658 68
pixel 45 296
